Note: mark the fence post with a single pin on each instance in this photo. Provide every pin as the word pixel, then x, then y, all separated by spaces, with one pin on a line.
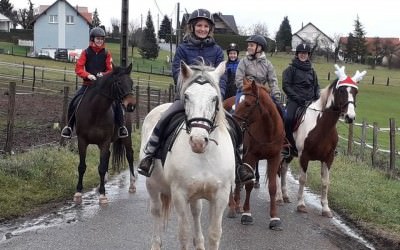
pixel 64 115
pixel 159 97
pixel 137 106
pixel 76 82
pixel 10 117
pixel 350 140
pixel 65 73
pixel 363 138
pixel 42 74
pixel 373 80
pixel 393 152
pixel 329 76
pixel 34 78
pixel 374 144
pixel 387 82
pixel 23 72
pixel 148 97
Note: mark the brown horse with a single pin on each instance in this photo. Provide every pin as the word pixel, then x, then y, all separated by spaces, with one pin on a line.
pixel 95 124
pixel 263 138
pixel 316 137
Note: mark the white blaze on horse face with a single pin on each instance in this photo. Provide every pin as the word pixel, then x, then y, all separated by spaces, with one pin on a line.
pixel 200 102
pixel 351 111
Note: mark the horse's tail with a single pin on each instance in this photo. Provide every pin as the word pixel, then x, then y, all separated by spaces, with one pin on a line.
pixel 118 155
pixel 165 207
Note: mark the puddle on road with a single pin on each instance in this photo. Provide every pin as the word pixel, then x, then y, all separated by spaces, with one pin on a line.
pixel 69 213
pixel 72 213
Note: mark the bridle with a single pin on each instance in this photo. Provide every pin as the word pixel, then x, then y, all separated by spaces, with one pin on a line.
pixel 117 92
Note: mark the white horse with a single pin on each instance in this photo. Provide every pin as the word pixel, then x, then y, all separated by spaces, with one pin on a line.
pixel 316 137
pixel 200 164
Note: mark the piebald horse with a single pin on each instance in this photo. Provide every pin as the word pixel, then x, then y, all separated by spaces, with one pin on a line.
pixel 316 137
pixel 199 165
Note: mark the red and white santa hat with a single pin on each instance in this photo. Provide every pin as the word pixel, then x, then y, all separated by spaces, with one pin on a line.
pixel 348 81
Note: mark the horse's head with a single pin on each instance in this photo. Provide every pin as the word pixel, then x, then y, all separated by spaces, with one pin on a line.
pixel 345 92
pixel 248 102
pixel 202 100
pixel 122 86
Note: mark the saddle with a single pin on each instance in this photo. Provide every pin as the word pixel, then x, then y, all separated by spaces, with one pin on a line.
pixel 169 137
pixel 298 117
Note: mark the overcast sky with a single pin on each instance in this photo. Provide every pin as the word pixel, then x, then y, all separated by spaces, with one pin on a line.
pixel 336 17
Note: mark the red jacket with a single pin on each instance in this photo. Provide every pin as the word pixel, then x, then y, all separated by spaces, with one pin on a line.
pixel 80 68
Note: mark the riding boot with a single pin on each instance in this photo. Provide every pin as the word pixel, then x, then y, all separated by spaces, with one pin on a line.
pixel 119 116
pixel 66 132
pixel 244 172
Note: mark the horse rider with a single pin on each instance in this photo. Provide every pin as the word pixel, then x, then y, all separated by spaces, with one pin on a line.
pixel 256 66
pixel 231 65
pixel 198 43
pixel 300 84
pixel 94 62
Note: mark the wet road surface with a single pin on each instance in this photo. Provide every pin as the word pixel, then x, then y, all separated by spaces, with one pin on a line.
pixel 125 223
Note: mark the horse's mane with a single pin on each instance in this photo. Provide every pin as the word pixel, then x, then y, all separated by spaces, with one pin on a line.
pixel 326 92
pixel 201 70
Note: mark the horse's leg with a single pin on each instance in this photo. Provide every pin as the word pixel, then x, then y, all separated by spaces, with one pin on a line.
pixel 102 169
pixel 257 174
pixel 82 147
pixel 129 158
pixel 301 206
pixel 182 210
pixel 272 173
pixel 326 211
pixel 217 207
pixel 198 239
pixel 234 202
pixel 155 209
pixel 247 218
pixel 283 185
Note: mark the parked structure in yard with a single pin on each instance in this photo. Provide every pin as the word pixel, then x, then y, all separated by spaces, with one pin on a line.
pixel 311 35
pixel 61 26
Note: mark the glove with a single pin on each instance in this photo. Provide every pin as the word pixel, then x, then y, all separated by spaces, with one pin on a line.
pixel 91 77
pixel 99 74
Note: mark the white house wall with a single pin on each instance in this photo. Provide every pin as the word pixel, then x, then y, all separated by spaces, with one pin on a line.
pixel 60 35
pixel 309 33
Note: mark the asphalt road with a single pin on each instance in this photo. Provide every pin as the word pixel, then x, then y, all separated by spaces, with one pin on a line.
pixel 126 223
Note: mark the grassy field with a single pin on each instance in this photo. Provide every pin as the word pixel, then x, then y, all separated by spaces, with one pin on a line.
pixel 354 183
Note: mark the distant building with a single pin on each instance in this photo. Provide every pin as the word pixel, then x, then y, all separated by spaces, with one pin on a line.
pixel 5 23
pixel 224 24
pixel 312 35
pixel 60 26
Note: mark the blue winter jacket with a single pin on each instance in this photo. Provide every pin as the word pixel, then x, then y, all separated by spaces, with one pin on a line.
pixel 190 51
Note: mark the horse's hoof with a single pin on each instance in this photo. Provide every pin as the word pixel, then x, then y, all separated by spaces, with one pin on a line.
pixel 275 225
pixel 78 198
pixel 327 214
pixel 286 200
pixel 132 190
pixel 247 219
pixel 301 209
pixel 232 214
pixel 279 202
pixel 256 184
pixel 103 199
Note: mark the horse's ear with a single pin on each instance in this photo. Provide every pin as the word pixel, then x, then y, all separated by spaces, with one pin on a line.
pixel 186 71
pixel 254 86
pixel 220 70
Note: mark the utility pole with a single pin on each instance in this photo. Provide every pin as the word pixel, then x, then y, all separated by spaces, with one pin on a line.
pixel 124 33
pixel 178 28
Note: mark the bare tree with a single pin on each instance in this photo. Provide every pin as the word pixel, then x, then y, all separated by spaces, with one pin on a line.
pixel 390 51
pixel 115 24
pixel 244 31
pixel 260 29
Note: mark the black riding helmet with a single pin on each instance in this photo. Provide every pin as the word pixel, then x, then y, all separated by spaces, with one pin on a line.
pixel 303 47
pixel 232 46
pixel 201 13
pixel 260 40
pixel 97 32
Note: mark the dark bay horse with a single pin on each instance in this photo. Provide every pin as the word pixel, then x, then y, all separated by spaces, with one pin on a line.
pixel 95 124
pixel 264 136
pixel 316 137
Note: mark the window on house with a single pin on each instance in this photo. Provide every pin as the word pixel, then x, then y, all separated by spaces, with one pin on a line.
pixel 53 19
pixel 69 19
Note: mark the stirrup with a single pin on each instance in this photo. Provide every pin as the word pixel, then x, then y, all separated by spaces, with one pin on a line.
pixel 123 132
pixel 66 132
pixel 148 159
pixel 250 169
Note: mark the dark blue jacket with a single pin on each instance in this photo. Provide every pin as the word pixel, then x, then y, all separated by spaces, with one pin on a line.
pixel 191 49
pixel 231 67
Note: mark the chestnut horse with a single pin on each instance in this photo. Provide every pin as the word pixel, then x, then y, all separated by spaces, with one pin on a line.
pixel 316 137
pixel 264 136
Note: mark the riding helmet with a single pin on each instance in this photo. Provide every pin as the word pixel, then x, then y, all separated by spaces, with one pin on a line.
pixel 303 47
pixel 260 40
pixel 201 13
pixel 97 32
pixel 232 46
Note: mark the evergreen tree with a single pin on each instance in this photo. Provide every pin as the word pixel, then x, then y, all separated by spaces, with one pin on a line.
pixel 96 20
pixel 165 30
pixel 6 8
pixel 148 47
pixel 284 35
pixel 350 52
pixel 360 47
